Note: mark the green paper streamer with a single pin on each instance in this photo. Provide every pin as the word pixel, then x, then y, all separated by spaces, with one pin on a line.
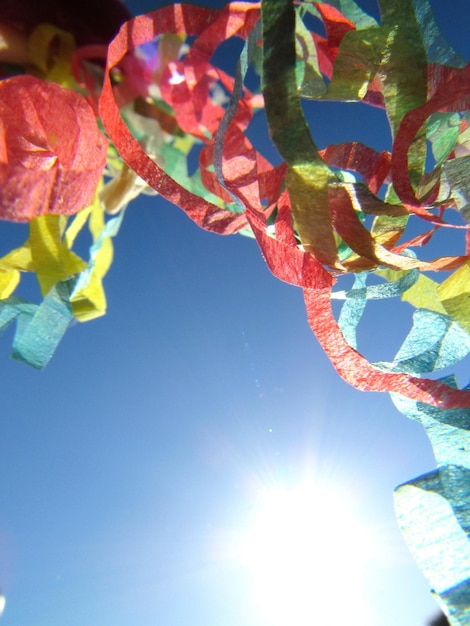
pixel 455 184
pixel 354 13
pixel 360 55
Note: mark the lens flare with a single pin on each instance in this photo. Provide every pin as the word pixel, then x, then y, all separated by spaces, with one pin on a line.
pixel 306 552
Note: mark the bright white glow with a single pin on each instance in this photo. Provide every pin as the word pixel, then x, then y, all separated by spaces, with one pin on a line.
pixel 306 552
pixel 176 78
pixel 2 604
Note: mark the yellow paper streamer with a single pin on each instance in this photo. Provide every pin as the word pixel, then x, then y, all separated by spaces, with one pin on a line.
pixel 454 293
pixel 53 60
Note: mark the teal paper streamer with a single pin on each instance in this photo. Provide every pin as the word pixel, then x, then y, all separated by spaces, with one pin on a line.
pixel 40 328
pixel 37 338
pixel 377 292
pixel 438 50
pixel 433 511
pixel 433 517
pixel 458 599
pixel 110 229
pixel 448 429
pixel 433 343
pixel 15 308
pixel 353 308
pixel 356 300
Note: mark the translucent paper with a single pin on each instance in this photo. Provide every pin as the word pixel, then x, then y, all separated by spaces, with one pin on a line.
pixel 320 214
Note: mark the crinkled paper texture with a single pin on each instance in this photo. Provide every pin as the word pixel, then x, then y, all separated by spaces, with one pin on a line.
pixel 318 215
pixel 52 153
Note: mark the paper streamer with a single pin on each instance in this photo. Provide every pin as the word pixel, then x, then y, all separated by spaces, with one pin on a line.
pixel 52 153
pixel 320 214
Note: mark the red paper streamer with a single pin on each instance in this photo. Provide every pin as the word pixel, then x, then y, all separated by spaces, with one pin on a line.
pixel 52 153
pixel 250 178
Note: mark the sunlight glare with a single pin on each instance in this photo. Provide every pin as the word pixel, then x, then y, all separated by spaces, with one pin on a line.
pixel 306 552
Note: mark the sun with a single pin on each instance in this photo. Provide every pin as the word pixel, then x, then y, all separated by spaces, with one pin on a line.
pixel 306 552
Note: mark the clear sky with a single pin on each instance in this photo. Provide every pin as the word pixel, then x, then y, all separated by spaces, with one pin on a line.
pixel 138 469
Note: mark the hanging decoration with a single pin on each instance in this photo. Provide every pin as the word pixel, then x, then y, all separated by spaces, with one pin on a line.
pixel 89 122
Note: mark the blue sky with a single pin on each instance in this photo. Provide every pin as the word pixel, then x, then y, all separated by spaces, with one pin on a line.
pixel 132 464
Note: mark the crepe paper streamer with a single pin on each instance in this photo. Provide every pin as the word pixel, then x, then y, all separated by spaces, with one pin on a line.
pixel 423 295
pixel 356 300
pixel 454 294
pixel 9 279
pixel 447 429
pixel 58 167
pixel 283 261
pixel 437 538
pixel 235 160
pixel 443 130
pixel 281 264
pixel 387 290
pixel 178 19
pixel 36 341
pixel 11 265
pixel 449 297
pixel 50 256
pixel 244 170
pixel 319 311
pixel 353 13
pixel 15 309
pixel 39 328
pixel 390 289
pixel 434 342
pixel 48 253
pixel 88 298
pixel 438 49
pixel 307 176
pixel 454 184
pixel 319 204
pixel 434 512
pixel 454 89
pixel 353 309
pixel 374 167
pixel 55 64
pixel 403 74
pixel 356 82
pixel 316 216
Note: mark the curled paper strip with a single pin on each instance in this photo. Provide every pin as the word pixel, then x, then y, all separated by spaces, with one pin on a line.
pixel 310 182
pixel 433 510
pixel 320 214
